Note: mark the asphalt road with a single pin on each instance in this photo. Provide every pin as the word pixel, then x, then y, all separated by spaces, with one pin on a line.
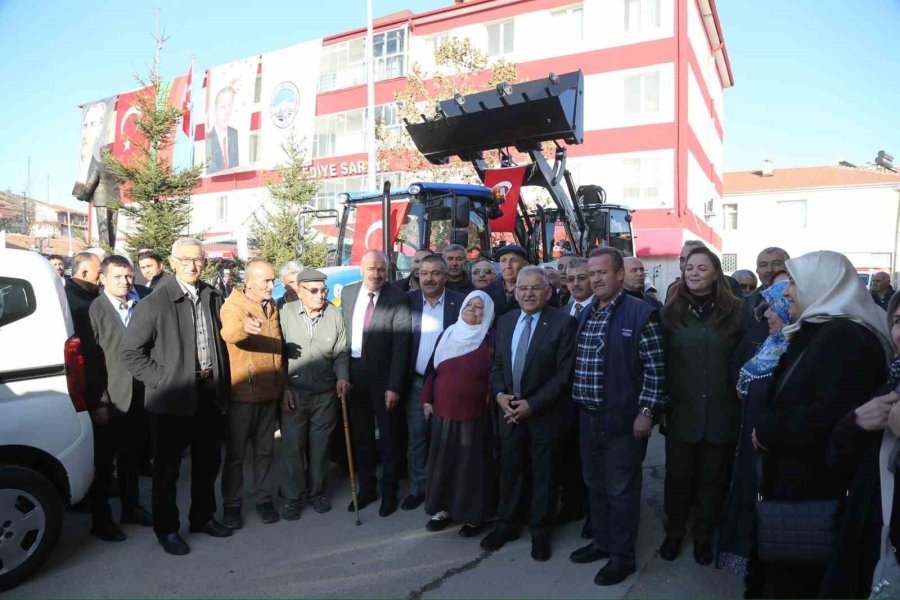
pixel 328 556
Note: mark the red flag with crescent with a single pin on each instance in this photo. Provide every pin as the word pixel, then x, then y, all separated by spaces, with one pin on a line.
pixel 510 179
pixel 367 232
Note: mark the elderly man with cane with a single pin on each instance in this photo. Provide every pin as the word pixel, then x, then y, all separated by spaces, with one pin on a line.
pixel 318 370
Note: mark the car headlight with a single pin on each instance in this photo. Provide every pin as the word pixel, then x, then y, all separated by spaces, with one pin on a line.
pixel 343 198
pixel 415 189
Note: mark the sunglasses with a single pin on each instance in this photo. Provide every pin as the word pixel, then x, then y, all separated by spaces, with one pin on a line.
pixel 314 291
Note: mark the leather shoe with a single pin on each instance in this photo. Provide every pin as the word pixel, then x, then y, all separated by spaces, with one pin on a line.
pixel 497 538
pixel 213 528
pixel 137 516
pixel 702 552
pixel 173 544
pixel 231 517
pixel 468 530
pixel 540 550
pixel 670 548
pixel 108 532
pixel 363 500
pixel 320 504
pixel 267 512
pixel 613 572
pixel 412 501
pixel 388 506
pixel 588 554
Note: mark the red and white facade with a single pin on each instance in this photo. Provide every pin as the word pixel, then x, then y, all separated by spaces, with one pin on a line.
pixel 654 72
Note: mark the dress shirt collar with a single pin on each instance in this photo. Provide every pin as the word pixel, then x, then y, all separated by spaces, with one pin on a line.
pixel 190 290
pixel 439 302
pixel 537 317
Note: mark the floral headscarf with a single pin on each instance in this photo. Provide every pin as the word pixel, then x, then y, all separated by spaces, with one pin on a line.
pixel 766 358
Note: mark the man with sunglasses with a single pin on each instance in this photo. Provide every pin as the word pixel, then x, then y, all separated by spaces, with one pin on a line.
pixel 172 345
pixel 318 371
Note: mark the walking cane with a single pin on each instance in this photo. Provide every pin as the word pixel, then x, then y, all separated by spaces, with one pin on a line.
pixel 350 457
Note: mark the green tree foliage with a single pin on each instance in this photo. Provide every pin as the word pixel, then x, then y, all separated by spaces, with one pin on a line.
pixel 275 227
pixel 160 207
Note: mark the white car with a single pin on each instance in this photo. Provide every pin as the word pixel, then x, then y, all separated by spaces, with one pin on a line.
pixel 46 438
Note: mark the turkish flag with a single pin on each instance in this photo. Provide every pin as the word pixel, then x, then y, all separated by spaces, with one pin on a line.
pixel 127 134
pixel 510 178
pixel 187 102
pixel 367 232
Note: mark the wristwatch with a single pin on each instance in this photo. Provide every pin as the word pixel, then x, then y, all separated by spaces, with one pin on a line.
pixel 646 411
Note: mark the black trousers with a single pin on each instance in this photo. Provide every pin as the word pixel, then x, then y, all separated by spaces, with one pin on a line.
pixel 527 470
pixel 118 445
pixel 699 472
pixel 613 474
pixel 172 435
pixel 365 408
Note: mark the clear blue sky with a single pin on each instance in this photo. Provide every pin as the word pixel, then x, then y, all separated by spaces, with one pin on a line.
pixel 815 79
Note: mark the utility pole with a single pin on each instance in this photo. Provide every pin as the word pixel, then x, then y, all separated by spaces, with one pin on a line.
pixel 370 96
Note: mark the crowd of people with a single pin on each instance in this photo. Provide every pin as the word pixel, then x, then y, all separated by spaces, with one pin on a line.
pixel 513 395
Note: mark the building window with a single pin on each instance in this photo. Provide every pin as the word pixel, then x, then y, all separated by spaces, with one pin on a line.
pixel 387 123
pixel 221 209
pixel 254 147
pixel 641 15
pixel 330 188
pixel 730 216
pixel 257 89
pixel 501 38
pixel 389 50
pixel 435 42
pixel 340 134
pixel 342 65
pixel 791 213
pixel 569 22
pixel 729 263
pixel 641 178
pixel 642 93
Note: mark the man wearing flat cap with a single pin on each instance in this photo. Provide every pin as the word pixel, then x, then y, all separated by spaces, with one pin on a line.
pixel 512 258
pixel 318 371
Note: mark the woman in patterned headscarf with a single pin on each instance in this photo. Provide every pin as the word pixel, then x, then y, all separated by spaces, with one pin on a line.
pixel 736 550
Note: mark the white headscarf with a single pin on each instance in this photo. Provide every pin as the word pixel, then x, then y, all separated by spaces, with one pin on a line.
pixel 827 287
pixel 462 338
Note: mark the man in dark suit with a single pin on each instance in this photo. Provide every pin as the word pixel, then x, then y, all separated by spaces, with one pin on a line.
pixel 411 281
pixel 530 378
pixel 378 327
pixel 434 308
pixel 222 140
pixel 120 423
pixel 150 267
pixel 172 345
pixel 512 258
pixel 633 284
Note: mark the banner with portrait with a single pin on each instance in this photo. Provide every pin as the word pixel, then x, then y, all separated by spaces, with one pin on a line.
pixel 290 77
pixel 230 104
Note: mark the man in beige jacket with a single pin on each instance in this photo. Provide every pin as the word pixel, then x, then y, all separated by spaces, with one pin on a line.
pixel 252 333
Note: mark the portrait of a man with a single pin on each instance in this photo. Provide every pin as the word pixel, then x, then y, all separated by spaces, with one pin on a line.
pixel 222 140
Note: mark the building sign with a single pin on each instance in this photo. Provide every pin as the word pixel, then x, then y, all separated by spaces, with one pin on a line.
pixel 344 168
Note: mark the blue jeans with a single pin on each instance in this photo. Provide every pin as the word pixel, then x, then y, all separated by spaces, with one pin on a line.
pixel 612 473
pixel 418 430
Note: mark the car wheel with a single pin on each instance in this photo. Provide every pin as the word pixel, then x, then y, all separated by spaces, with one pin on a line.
pixel 30 521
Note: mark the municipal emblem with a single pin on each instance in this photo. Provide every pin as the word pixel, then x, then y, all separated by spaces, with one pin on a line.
pixel 285 103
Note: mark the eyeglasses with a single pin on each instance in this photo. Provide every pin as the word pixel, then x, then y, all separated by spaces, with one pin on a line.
pixel 186 262
pixel 530 288
pixel 314 291
pixel 481 272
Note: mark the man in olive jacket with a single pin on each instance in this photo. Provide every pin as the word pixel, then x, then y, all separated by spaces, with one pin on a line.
pixel 172 345
pixel 318 369
pixel 252 335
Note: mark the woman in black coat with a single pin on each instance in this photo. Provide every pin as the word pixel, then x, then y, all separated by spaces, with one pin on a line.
pixel 836 359
pixel 855 447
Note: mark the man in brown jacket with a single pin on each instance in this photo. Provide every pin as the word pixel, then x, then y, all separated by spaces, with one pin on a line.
pixel 252 334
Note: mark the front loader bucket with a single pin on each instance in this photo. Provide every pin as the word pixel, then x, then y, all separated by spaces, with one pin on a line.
pixel 522 115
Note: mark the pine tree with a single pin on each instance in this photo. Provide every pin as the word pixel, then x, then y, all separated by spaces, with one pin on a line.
pixel 275 227
pixel 160 208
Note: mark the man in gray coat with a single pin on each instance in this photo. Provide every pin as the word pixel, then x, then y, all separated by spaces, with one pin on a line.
pixel 318 369
pixel 172 345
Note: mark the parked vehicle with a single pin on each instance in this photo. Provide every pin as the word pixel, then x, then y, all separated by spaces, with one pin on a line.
pixel 46 438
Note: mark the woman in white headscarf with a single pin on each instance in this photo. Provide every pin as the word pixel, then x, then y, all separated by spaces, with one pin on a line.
pixel 455 396
pixel 837 357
